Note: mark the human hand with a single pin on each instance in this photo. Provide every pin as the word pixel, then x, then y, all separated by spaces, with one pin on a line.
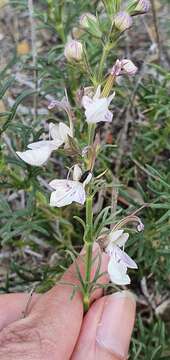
pixel 54 328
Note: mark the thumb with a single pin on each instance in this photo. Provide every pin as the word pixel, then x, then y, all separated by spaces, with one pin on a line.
pixel 107 328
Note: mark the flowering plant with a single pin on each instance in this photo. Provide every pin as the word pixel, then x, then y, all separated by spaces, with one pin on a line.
pixel 96 103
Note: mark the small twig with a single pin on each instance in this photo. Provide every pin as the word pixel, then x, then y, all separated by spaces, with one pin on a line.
pixel 30 252
pixel 44 183
pixel 150 298
pixel 8 143
pixel 114 205
pixel 25 312
pixel 141 208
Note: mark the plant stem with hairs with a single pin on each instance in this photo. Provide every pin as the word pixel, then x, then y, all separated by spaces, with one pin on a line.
pixel 88 239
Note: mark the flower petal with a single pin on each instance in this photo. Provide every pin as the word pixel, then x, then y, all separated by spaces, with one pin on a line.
pixel 87 180
pixel 36 157
pixel 77 173
pixel 110 98
pixel 108 116
pixel 54 131
pixel 64 131
pixel 96 111
pixel 86 101
pixel 80 195
pixel 59 199
pixel 97 93
pixel 42 143
pixel 122 239
pixel 66 192
pixel 125 258
pixel 115 234
pixel 118 272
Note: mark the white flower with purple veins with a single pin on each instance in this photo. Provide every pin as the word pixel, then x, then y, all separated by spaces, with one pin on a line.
pixel 119 261
pixel 67 191
pixel 40 151
pixel 96 108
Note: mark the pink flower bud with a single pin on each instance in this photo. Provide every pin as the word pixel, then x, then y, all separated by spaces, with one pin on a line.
pixel 128 67
pixel 140 227
pixel 73 50
pixel 122 67
pixel 84 23
pixel 123 21
pixel 142 6
pixel 117 68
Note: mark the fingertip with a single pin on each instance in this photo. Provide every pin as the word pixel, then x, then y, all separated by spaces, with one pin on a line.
pixel 107 328
pixel 116 324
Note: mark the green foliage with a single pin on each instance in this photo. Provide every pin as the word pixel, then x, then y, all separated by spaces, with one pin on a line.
pixel 151 343
pixel 26 220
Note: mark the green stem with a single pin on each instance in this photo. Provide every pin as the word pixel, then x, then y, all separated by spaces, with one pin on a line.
pixel 88 239
pixel 91 131
pixel 102 61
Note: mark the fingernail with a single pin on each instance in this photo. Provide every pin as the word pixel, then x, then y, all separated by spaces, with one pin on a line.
pixel 116 323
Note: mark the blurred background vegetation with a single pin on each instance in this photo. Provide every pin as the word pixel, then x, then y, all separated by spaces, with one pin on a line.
pixel 33 236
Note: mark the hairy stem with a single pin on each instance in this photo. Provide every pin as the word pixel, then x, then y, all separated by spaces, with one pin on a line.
pixel 88 239
pixel 102 61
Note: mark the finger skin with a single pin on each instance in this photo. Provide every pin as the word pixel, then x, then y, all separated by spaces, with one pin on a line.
pixel 88 347
pixel 51 329
pixel 16 303
pixel 12 307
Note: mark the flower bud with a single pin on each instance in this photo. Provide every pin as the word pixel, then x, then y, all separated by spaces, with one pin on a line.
pixel 140 227
pixel 89 22
pixel 73 50
pixel 117 68
pixel 123 21
pixel 128 67
pixel 77 32
pixel 122 67
pixel 85 18
pixel 77 173
pixel 142 6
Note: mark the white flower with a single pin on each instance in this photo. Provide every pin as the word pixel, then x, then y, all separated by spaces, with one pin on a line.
pixel 67 191
pixel 119 261
pixel 40 151
pixel 96 108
